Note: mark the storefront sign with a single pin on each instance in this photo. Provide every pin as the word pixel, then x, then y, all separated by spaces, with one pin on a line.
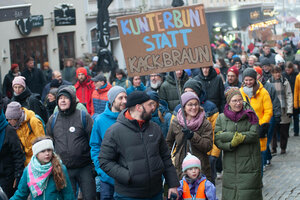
pixel 13 13
pixel 254 15
pixel 24 26
pixel 37 20
pixel 262 24
pixel 270 12
pixel 165 40
pixel 64 16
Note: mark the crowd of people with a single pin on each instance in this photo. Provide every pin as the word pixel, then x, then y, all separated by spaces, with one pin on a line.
pixel 78 134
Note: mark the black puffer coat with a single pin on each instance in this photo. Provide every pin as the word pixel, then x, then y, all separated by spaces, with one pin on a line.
pixel 137 158
pixel 214 88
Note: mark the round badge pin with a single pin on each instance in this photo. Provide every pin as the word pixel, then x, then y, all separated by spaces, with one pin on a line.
pixel 72 129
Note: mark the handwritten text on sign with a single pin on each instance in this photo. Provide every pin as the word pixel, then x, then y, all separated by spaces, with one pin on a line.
pixel 165 40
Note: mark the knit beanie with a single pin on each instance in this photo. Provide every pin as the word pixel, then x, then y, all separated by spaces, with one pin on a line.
pixel 234 69
pixel 19 80
pixel 153 95
pixel 46 64
pixel 230 92
pixel 41 146
pixel 265 61
pixel 190 161
pixel 187 96
pixel 250 72
pixel 14 66
pixel 13 110
pixel 194 85
pixel 136 97
pixel 114 92
pixel 81 70
pixel 258 70
pixel 236 59
pixel 54 83
pixel 53 91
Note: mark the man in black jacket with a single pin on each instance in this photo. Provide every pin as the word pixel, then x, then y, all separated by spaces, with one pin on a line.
pixel 35 79
pixel 71 130
pixel 135 154
pixel 213 86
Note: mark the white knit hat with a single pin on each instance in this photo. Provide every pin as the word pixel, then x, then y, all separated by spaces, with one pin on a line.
pixel 41 146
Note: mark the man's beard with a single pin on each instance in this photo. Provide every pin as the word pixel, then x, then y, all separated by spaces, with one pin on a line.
pixel 146 116
pixel 155 85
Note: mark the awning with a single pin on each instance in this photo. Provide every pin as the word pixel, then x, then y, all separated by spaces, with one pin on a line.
pixel 14 9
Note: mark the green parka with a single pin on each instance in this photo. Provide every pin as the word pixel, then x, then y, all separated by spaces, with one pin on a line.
pixel 241 164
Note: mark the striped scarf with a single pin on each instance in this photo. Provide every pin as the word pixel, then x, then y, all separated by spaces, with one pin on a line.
pixel 280 91
pixel 38 176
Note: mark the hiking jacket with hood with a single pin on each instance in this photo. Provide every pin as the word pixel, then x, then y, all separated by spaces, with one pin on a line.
pixel 84 92
pixel 70 139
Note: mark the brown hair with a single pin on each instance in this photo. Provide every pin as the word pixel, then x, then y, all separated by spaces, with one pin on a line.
pixel 276 69
pixel 57 172
pixel 289 65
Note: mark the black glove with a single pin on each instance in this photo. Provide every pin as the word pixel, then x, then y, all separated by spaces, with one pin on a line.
pixel 277 120
pixel 289 115
pixel 188 134
pixel 263 130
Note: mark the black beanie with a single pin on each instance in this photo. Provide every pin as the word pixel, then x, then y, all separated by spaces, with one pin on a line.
pixel 250 72
pixel 54 83
pixel 66 94
pixel 136 97
pixel 195 85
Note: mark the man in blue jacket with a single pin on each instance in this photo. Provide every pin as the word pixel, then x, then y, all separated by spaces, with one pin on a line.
pixel 117 99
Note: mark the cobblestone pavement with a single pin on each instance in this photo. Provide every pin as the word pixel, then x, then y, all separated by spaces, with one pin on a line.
pixel 282 178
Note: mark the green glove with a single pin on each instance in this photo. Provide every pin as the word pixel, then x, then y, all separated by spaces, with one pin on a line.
pixel 237 139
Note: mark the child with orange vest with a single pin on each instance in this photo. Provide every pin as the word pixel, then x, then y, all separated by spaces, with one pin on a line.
pixel 194 184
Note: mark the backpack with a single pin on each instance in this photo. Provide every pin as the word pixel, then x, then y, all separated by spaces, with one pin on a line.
pixel 44 113
pixel 29 126
pixel 82 116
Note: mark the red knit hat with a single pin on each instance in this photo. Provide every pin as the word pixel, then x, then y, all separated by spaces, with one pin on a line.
pixel 234 69
pixel 258 70
pixel 81 70
pixel 14 66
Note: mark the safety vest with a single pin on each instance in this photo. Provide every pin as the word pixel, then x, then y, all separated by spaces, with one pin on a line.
pixel 200 195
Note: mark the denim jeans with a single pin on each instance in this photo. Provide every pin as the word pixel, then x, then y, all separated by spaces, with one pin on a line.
pixel 84 177
pixel 121 197
pixel 107 191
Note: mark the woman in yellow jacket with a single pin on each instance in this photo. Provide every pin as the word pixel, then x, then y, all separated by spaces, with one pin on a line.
pixel 258 97
pixel 297 92
pixel 27 125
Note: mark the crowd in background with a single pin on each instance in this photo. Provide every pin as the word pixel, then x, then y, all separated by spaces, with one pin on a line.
pixel 117 137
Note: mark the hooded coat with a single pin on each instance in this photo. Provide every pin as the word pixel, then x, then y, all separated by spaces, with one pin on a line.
pixel 99 99
pixel 201 144
pixel 241 164
pixel 213 87
pixel 70 139
pixel 84 92
pixel 137 158
pixel 27 136
pixel 168 91
pixel 7 84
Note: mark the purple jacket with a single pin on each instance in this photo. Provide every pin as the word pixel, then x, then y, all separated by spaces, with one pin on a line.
pixel 210 189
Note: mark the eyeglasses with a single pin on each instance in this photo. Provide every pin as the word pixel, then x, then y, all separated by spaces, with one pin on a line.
pixel 237 101
pixel 191 105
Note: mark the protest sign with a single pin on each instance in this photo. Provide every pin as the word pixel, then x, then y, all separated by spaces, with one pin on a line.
pixel 165 40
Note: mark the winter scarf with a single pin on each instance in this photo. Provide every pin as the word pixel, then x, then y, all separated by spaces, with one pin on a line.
pixel 279 87
pixel 3 124
pixel 236 116
pixel 248 91
pixel 38 176
pixel 193 124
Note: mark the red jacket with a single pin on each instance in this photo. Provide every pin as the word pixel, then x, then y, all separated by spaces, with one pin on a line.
pixel 99 99
pixel 84 92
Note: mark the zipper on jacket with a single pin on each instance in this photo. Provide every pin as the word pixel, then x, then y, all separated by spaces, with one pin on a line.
pixel 146 159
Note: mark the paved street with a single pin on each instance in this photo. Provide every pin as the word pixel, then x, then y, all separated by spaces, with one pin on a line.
pixel 282 178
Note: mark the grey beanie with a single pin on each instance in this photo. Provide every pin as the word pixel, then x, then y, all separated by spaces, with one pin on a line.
pixel 114 92
pixel 13 110
pixel 250 72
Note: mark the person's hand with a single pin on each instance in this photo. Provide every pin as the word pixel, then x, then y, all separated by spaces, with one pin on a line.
pixel 188 134
pixel 15 183
pixel 237 139
pixel 174 191
pixel 289 115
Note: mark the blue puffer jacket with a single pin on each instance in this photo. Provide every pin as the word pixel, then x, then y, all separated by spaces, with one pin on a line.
pixel 165 113
pixel 133 88
pixel 101 124
pixel 49 193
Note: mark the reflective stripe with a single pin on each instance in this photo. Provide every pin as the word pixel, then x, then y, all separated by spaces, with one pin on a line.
pixel 200 195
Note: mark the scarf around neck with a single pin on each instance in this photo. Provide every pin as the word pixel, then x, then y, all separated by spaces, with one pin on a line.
pixel 193 124
pixel 236 116
pixel 38 176
pixel 248 91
